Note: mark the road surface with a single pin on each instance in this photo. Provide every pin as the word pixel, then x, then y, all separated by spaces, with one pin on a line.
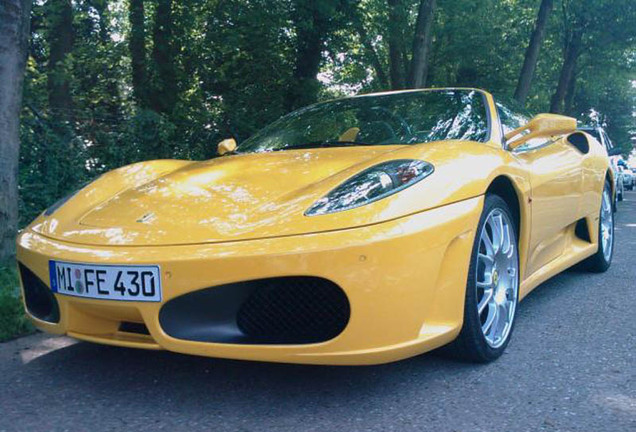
pixel 571 366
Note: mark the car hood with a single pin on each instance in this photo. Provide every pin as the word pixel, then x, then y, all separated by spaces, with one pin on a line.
pixel 240 197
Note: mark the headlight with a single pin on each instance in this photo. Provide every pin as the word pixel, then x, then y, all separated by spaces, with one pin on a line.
pixel 372 185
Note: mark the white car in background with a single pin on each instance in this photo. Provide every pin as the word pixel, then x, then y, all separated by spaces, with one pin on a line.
pixel 628 176
pixel 618 177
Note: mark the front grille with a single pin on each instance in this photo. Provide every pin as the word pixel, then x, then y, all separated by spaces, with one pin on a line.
pixel 285 310
pixel 39 300
pixel 294 309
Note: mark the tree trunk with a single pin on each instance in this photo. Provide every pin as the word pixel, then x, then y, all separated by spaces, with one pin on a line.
pixel 569 96
pixel 60 37
pixel 14 34
pixel 311 28
pixel 532 52
pixel 137 47
pixel 163 95
pixel 572 52
pixel 113 103
pixel 397 22
pixel 421 44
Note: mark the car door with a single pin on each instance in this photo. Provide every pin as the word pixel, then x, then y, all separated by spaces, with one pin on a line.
pixel 554 170
pixel 556 178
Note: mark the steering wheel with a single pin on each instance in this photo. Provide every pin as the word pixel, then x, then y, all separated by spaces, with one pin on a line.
pixel 398 127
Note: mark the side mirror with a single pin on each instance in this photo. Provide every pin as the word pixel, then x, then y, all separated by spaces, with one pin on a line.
pixel 541 126
pixel 614 151
pixel 226 146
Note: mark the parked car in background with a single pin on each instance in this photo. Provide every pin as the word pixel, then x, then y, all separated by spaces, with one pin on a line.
pixel 618 178
pixel 628 176
pixel 614 152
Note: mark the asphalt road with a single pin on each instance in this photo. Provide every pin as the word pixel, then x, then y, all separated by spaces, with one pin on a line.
pixel 571 366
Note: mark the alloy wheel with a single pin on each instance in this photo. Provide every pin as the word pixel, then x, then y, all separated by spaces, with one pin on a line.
pixel 607 225
pixel 497 279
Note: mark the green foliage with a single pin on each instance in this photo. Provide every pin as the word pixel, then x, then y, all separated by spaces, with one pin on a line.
pixel 51 164
pixel 214 69
pixel 13 322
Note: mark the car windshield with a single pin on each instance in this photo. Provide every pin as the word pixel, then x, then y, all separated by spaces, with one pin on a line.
pixel 382 119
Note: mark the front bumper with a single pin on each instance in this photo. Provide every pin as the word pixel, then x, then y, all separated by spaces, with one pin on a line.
pixel 405 281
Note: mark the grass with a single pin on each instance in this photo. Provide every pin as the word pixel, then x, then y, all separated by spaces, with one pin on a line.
pixel 13 322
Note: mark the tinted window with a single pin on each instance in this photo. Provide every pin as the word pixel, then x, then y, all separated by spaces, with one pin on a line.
pixel 511 120
pixel 382 119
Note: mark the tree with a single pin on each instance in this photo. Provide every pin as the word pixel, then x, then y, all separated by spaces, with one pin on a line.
pixel 397 22
pixel 112 96
pixel 566 77
pixel 311 27
pixel 101 7
pixel 314 23
pixel 371 52
pixel 532 52
pixel 137 47
pixel 60 37
pixel 14 32
pixel 587 33
pixel 164 87
pixel 198 71
pixel 421 44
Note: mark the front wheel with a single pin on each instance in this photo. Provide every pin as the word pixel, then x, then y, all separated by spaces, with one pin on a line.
pixel 492 288
pixel 602 259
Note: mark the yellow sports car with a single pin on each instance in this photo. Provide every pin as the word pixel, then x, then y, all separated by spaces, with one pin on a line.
pixel 356 231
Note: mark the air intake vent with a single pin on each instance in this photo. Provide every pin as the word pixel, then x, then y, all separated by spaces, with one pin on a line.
pixel 581 231
pixel 295 309
pixel 132 327
pixel 39 300
pixel 285 310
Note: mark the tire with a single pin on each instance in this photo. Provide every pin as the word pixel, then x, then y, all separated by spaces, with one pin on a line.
pixel 602 259
pixel 473 344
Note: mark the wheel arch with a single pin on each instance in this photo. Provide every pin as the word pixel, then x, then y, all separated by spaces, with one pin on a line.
pixel 504 187
pixel 519 204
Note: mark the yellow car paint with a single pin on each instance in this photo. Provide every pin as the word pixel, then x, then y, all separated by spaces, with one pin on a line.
pixel 402 261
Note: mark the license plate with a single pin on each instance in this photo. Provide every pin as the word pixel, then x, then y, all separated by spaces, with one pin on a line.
pixel 108 282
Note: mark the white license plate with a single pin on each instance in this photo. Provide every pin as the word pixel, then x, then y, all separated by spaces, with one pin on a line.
pixel 108 282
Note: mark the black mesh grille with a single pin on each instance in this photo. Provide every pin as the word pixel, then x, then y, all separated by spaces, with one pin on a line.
pixel 294 310
pixel 39 299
